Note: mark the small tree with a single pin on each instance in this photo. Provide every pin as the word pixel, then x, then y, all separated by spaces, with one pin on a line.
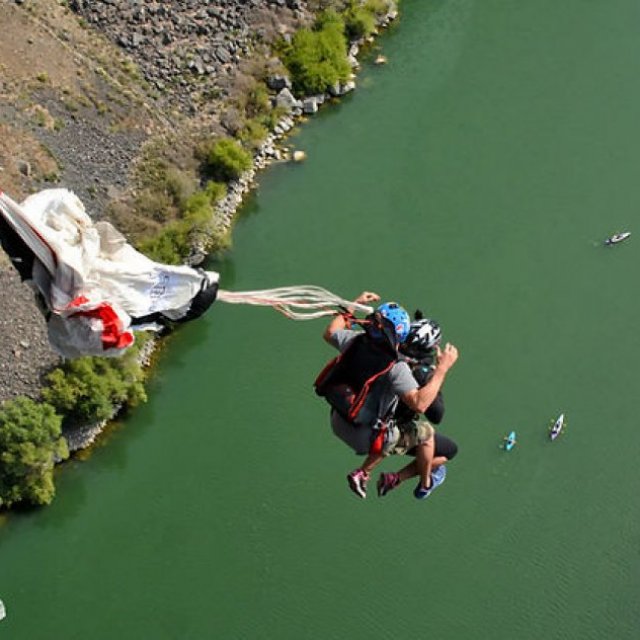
pixel 30 444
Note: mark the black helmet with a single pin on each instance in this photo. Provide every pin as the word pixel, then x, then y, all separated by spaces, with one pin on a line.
pixel 424 336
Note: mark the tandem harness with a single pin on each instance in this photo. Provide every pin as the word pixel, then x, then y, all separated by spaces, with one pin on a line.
pixel 353 384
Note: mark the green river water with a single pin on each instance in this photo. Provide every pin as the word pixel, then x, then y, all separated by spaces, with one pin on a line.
pixel 475 175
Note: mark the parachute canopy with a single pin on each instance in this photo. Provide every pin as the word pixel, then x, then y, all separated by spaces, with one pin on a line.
pixel 93 287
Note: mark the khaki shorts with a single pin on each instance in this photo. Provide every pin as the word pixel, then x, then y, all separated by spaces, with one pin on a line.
pixel 399 440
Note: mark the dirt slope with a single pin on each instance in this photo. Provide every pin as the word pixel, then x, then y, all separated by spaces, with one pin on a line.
pixel 66 102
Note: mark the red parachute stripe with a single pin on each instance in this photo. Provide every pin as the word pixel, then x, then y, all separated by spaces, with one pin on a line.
pixel 113 335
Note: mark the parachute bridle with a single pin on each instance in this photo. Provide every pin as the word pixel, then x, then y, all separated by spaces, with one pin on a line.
pixel 304 302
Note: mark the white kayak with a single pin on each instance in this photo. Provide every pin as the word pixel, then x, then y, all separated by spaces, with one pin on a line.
pixel 557 427
pixel 616 238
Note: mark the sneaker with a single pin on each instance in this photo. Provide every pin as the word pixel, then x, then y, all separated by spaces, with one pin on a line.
pixel 386 482
pixel 358 482
pixel 437 478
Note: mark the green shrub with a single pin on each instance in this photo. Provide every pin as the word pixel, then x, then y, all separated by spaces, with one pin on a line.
pixel 317 59
pixel 227 160
pixel 253 133
pixel 198 211
pixel 271 119
pixel 30 444
pixel 179 186
pixel 215 190
pixel 90 389
pixel 172 244
pixel 258 101
pixel 381 7
pixel 329 18
pixel 169 246
pixel 359 20
pixel 199 216
pixel 154 205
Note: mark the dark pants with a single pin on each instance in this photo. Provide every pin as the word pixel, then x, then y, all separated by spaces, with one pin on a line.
pixel 444 447
pixel 435 412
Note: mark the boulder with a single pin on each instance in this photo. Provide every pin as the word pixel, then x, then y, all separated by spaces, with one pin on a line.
pixel 286 100
pixel 310 105
pixel 278 82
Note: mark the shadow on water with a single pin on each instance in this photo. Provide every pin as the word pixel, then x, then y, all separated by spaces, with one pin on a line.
pixel 223 264
pixel 249 208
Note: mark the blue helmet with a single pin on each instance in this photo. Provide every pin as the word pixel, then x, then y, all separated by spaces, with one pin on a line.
pixel 396 316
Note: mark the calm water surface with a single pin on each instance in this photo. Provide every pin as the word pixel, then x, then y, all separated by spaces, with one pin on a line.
pixel 475 176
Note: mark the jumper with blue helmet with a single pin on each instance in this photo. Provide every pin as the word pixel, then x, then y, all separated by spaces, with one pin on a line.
pixel 354 383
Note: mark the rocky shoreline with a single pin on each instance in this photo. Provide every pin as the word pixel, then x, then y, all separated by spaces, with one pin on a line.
pixel 186 49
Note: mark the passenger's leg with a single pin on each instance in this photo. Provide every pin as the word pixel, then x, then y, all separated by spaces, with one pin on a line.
pixel 424 462
pixel 445 450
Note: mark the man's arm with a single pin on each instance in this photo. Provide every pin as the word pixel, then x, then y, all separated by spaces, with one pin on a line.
pixel 420 399
pixel 339 322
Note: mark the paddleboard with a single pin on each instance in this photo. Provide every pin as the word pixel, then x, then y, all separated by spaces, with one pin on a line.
pixel 510 441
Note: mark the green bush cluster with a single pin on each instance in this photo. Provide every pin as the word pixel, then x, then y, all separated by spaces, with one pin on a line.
pixel 82 390
pixel 30 445
pixel 90 389
pixel 317 57
pixel 359 19
pixel 257 101
pixel 253 133
pixel 172 244
pixel 227 160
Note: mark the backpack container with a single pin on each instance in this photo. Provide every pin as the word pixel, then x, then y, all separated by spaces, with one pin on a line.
pixel 352 383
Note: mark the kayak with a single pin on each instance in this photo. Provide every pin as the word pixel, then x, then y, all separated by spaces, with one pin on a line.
pixel 557 427
pixel 510 441
pixel 617 237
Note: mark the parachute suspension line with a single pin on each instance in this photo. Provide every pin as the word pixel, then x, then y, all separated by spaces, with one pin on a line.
pixel 305 302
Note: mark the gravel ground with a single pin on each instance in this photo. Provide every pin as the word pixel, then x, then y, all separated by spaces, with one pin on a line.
pixel 24 346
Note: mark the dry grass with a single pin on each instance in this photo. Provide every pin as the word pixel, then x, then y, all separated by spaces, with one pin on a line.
pixel 20 151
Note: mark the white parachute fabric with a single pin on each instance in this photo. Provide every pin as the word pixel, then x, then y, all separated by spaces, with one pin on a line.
pixel 94 285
